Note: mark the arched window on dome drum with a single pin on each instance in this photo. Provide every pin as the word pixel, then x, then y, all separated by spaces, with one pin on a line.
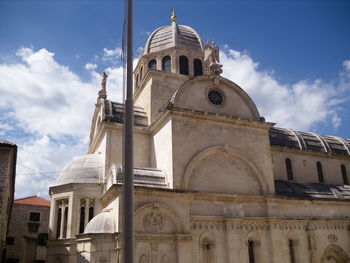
pixel 166 64
pixel 82 220
pixel 251 255
pixel 291 250
pixel 183 65
pixel 344 175
pixel 152 64
pixel 59 217
pixel 289 169
pixel 198 68
pixel 319 172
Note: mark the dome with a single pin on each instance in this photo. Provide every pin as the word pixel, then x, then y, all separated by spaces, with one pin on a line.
pixel 84 169
pixel 102 223
pixel 173 36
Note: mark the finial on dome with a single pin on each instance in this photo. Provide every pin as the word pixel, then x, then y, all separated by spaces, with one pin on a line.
pixel 173 16
pixel 102 93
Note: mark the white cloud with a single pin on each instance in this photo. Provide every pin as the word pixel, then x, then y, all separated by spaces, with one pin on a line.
pixel 300 105
pixel 90 66
pixel 112 55
pixel 54 106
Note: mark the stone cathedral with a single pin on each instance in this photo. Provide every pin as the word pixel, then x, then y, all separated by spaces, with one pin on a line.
pixel 214 182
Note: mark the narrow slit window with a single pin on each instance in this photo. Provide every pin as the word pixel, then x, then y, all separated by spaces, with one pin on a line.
pixel 59 217
pixel 289 169
pixel 291 251
pixel 91 213
pixel 320 172
pixel 183 65
pixel 82 220
pixel 344 175
pixel 65 222
pixel 251 255
pixel 166 64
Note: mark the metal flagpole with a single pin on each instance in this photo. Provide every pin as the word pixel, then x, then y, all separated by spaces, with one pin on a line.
pixel 128 162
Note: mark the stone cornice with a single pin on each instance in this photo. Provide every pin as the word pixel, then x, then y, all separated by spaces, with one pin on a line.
pixel 275 148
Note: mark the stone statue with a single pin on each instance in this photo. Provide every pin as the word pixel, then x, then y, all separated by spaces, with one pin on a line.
pixel 211 58
pixel 102 94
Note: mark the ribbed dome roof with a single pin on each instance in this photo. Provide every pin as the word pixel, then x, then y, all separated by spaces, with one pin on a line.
pixel 173 36
pixel 84 169
pixel 102 223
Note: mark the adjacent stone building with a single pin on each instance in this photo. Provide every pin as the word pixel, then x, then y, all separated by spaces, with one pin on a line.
pixel 28 232
pixel 214 182
pixel 8 157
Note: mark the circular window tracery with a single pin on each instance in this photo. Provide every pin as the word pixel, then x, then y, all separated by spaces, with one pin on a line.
pixel 215 97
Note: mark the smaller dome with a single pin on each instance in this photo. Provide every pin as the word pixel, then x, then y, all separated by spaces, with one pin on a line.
pixel 173 36
pixel 102 223
pixel 84 169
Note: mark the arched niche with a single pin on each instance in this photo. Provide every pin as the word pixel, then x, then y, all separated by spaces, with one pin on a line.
pixel 207 248
pixel 156 218
pixel 224 169
pixel 193 94
pixel 334 254
pixel 144 259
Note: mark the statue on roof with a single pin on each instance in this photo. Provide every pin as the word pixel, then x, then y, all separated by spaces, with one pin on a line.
pixel 102 93
pixel 211 58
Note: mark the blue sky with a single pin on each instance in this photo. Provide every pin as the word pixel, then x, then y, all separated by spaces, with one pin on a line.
pixel 292 57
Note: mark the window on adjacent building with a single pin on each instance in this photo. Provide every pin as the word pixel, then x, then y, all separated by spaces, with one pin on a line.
pixel 10 241
pixel 251 256
pixel 183 65
pixel 320 172
pixel 152 64
pixel 166 64
pixel 344 175
pixel 42 239
pixel 34 216
pixel 291 250
pixel 289 169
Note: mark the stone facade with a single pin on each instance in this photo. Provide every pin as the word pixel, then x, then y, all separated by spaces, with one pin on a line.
pixel 8 155
pixel 28 231
pixel 214 182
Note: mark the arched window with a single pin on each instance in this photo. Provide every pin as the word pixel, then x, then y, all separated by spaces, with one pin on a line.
pixel 82 219
pixel 59 216
pixel 289 169
pixel 320 172
pixel 152 64
pixel 344 175
pixel 291 250
pixel 166 64
pixel 183 65
pixel 251 256
pixel 198 68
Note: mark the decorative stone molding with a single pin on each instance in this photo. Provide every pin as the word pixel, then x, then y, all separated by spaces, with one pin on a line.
pixel 332 238
pixel 153 221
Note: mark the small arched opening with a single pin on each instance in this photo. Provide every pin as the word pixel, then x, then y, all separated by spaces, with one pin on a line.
pixel 166 64
pixel 198 67
pixel 183 65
